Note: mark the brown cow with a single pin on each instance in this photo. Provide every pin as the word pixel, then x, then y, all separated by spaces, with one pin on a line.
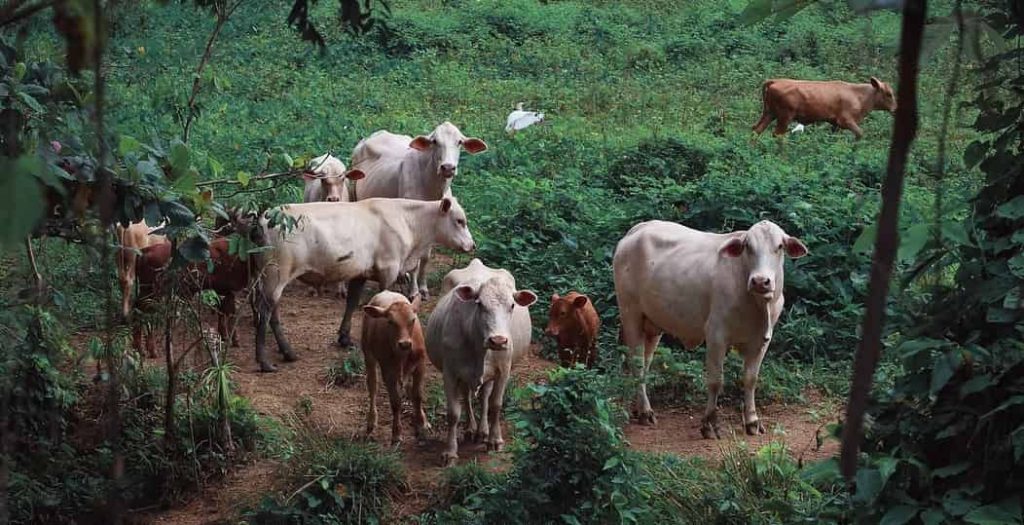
pixel 574 324
pixel 229 275
pixel 393 340
pixel 842 104
pixel 135 237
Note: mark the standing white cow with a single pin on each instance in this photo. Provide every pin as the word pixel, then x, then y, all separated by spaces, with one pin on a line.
pixel 325 178
pixel 351 241
pixel 422 168
pixel 478 329
pixel 725 289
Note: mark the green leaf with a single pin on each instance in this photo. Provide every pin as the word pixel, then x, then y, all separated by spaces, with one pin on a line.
pixel 21 199
pixel 899 515
pixel 866 240
pixel 216 169
pixel 974 153
pixel 612 462
pixel 955 233
pixel 31 102
pixel 913 240
pixel 195 248
pixel 243 178
pixel 185 184
pixel 19 71
pixel 1012 402
pixel 1012 210
pixel 869 485
pixel 951 470
pixel 1006 512
pixel 179 157
pixel 127 145
pixel 933 517
pixel 976 384
pixel 945 367
pixel 1018 443
pixel 1016 265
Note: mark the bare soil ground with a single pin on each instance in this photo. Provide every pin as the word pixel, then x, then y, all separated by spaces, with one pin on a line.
pixel 311 324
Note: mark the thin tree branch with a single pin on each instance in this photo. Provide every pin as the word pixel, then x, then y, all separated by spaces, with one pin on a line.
pixel 887 242
pixel 947 111
pixel 10 14
pixel 190 116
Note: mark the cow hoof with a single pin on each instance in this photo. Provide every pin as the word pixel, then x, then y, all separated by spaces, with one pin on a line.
pixel 424 294
pixel 754 428
pixel 289 356
pixel 647 418
pixel 449 460
pixel 709 431
pixel 345 341
pixel 495 446
pixel 268 367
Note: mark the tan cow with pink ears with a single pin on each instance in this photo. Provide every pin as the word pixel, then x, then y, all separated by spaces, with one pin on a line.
pixel 722 289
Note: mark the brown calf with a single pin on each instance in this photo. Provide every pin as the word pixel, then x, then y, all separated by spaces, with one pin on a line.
pixel 229 275
pixel 574 324
pixel 393 340
pixel 842 104
pixel 132 239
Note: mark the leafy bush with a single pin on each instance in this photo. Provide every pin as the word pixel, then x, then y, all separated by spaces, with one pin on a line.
pixel 333 481
pixel 348 370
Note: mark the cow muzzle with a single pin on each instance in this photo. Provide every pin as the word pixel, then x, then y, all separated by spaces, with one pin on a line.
pixel 405 345
pixel 446 170
pixel 761 285
pixel 497 343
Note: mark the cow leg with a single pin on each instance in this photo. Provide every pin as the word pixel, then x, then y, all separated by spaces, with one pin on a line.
pixel 633 338
pixel 852 126
pixel 472 424
pixel 713 377
pixel 282 343
pixel 226 320
pixel 782 126
pixel 752 357
pixel 652 336
pixel 355 293
pixel 485 429
pixel 497 396
pixel 419 280
pixel 766 119
pixel 371 391
pixel 419 416
pixel 266 310
pixel 391 380
pixel 453 397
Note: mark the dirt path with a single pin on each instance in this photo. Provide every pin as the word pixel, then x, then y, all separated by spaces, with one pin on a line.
pixel 311 322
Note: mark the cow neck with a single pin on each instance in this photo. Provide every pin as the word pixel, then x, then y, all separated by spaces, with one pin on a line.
pixel 427 164
pixel 420 217
pixel 865 92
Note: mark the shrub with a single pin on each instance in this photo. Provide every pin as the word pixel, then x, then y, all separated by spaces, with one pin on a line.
pixel 333 481
pixel 348 370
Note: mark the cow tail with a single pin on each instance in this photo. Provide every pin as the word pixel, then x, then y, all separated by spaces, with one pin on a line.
pixel 764 90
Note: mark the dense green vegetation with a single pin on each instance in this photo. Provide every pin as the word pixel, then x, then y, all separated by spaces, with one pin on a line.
pixel 649 108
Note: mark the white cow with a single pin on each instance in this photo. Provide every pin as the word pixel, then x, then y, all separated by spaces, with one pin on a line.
pixel 400 166
pixel 521 119
pixel 351 241
pixel 723 289
pixel 325 178
pixel 478 329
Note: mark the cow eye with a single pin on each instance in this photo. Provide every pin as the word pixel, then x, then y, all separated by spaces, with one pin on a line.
pixel 780 246
pixel 460 222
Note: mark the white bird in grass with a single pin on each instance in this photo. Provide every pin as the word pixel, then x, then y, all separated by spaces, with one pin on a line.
pixel 520 119
pixel 799 128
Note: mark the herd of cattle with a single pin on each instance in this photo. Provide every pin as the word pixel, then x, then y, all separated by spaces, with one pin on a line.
pixel 380 219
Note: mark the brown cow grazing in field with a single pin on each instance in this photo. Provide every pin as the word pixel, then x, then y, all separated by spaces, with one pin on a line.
pixel 842 104
pixel 573 323
pixel 135 237
pixel 393 341
pixel 229 275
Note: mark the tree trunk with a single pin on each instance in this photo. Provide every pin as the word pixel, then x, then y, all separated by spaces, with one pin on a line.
pixel 887 242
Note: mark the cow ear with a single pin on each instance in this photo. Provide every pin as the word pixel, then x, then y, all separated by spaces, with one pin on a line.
pixel 465 293
pixel 555 297
pixel 446 205
pixel 525 298
pixel 421 143
pixel 355 174
pixel 416 301
pixel 580 301
pixel 474 146
pixel 375 312
pixel 733 247
pixel 876 83
pixel 795 248
pixel 309 175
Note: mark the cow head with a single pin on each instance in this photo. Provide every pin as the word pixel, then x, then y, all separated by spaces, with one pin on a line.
pixel 562 318
pixel 884 97
pixel 403 323
pixel 761 250
pixel 453 231
pixel 494 300
pixel 331 173
pixel 445 143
